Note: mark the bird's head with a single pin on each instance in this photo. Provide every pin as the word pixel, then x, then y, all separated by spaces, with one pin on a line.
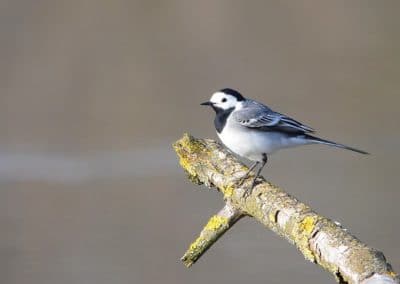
pixel 224 99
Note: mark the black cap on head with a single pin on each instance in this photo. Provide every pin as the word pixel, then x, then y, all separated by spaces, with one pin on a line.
pixel 233 93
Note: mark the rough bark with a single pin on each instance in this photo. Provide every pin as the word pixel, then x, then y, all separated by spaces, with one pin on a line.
pixel 319 239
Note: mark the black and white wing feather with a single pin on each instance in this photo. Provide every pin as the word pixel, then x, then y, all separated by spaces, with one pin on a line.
pixel 259 116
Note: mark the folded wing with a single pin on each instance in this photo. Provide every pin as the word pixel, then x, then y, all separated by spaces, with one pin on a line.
pixel 259 116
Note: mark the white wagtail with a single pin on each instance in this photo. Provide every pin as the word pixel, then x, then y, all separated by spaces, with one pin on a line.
pixel 253 130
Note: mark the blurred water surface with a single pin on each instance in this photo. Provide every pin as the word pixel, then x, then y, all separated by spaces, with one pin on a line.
pixel 93 93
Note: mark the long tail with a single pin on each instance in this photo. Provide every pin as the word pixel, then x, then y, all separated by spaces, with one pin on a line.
pixel 334 144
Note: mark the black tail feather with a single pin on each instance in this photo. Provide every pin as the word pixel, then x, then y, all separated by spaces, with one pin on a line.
pixel 334 144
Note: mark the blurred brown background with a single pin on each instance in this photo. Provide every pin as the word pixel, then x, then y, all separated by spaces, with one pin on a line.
pixel 94 92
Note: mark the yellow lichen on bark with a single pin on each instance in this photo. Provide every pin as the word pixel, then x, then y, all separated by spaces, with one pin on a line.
pixel 185 149
pixel 319 239
pixel 214 228
pixel 194 246
pixel 194 251
pixel 216 222
pixel 228 191
pixel 307 225
pixel 303 234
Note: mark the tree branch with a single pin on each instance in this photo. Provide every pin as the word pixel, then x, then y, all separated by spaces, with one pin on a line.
pixel 215 228
pixel 319 239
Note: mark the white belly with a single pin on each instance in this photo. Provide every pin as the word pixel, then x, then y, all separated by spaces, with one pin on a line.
pixel 252 144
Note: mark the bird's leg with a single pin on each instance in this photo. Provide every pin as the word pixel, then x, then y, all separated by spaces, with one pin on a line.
pixel 264 162
pixel 242 179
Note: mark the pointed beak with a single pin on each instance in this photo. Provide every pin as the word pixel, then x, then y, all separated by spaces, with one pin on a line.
pixel 207 104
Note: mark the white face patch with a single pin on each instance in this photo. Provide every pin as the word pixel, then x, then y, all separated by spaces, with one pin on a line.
pixel 239 106
pixel 223 101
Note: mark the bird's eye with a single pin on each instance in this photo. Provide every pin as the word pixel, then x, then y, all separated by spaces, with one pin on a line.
pixel 223 100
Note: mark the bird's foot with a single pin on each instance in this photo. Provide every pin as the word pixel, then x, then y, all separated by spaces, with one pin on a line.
pixel 239 182
pixel 249 190
pixel 242 179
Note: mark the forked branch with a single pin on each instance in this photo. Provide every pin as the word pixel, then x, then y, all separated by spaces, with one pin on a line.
pixel 319 239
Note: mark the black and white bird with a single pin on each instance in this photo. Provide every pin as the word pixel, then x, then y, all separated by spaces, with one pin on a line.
pixel 253 130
